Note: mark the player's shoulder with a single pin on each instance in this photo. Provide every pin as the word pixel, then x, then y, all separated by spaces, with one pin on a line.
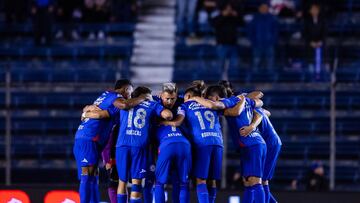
pixel 187 104
pixel 109 94
pixel 156 98
pixel 148 104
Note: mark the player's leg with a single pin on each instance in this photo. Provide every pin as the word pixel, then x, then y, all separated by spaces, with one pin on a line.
pixel 272 155
pixel 86 157
pixel 113 183
pixel 94 184
pixel 138 172
pixel 85 185
pixel 248 196
pixel 214 171
pixel 176 185
pixel 149 184
pixel 162 172
pixel 122 155
pixel 136 191
pixel 252 162
pixel 149 179
pixel 201 171
pixel 183 166
pixel 212 190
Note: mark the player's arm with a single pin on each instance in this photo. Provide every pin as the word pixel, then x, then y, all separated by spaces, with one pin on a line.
pixel 121 103
pixel 255 95
pixel 166 114
pixel 245 131
pixel 236 110
pixel 258 103
pixel 209 104
pixel 92 107
pixel 266 112
pixel 97 114
pixel 176 122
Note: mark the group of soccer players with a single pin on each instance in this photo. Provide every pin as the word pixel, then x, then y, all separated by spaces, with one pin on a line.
pixel 171 139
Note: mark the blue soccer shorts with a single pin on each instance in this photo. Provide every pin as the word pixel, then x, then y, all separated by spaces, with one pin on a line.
pixel 131 162
pixel 272 156
pixel 173 156
pixel 253 160
pixel 208 162
pixel 86 153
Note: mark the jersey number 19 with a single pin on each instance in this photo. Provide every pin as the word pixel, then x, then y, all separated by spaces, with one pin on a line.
pixel 209 116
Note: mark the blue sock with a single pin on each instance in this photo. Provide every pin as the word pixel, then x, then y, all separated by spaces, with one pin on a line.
pixel 138 189
pixel 159 193
pixel 148 192
pixel 259 195
pixel 176 192
pixel 248 196
pixel 85 189
pixel 122 198
pixel 272 199
pixel 202 193
pixel 212 194
pixel 184 195
pixel 135 200
pixel 267 193
pixel 95 193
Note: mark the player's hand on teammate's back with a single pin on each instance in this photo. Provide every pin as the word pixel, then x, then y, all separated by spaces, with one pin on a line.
pixel 241 97
pixel 92 107
pixel 245 131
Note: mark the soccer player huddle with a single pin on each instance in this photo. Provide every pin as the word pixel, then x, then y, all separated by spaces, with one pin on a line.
pixel 172 139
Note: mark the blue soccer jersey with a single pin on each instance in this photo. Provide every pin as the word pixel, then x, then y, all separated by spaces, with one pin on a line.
pixel 267 130
pixel 169 134
pixel 244 119
pixel 99 129
pixel 231 101
pixel 203 123
pixel 135 123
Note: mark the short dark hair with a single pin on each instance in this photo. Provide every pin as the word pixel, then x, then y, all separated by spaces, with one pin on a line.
pixel 228 87
pixel 140 90
pixel 121 83
pixel 216 89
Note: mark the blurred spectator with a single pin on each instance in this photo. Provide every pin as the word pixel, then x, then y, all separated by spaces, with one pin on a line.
pixel 42 11
pixel 314 35
pixel 283 8
pixel 123 10
pixel 236 181
pixel 96 11
pixel 315 179
pixel 16 10
pixel 185 18
pixel 328 7
pixel 67 13
pixel 226 23
pixel 205 11
pixel 263 33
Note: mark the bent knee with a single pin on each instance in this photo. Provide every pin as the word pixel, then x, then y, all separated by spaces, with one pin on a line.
pixel 200 181
pixel 251 181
